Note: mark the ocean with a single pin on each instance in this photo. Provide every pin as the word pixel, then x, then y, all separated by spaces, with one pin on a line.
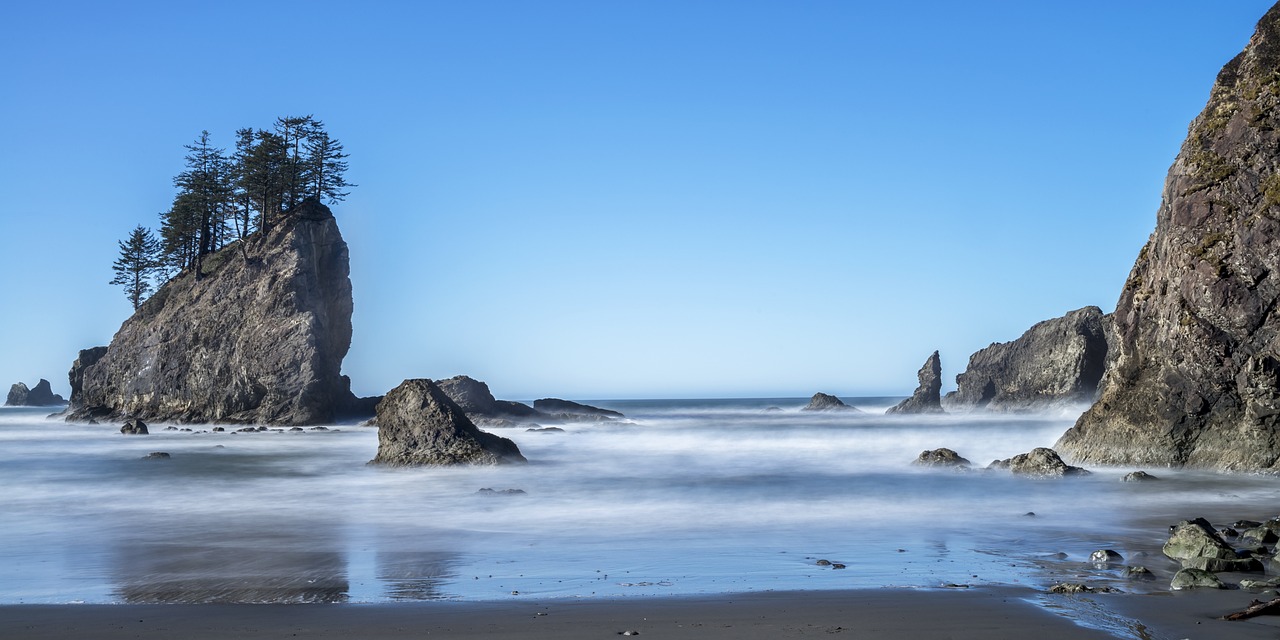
pixel 683 497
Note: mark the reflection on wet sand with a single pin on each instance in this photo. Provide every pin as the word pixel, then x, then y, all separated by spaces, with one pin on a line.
pixel 415 575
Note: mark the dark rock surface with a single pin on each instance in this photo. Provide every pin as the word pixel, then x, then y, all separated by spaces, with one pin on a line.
pixel 1138 476
pixel 1196 381
pixel 41 395
pixel 1195 579
pixel 1196 539
pixel 259 338
pixel 1056 362
pixel 134 427
pixel 418 424
pixel 558 406
pixel 474 397
pixel 826 402
pixel 941 458
pixel 1040 463
pixel 927 398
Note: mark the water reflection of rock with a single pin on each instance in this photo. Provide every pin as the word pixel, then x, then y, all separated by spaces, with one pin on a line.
pixel 247 568
pixel 415 575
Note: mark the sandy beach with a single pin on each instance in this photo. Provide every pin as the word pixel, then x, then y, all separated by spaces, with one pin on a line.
pixel 988 614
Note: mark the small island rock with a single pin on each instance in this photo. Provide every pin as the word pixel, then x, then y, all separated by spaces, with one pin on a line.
pixel 418 424
pixel 941 458
pixel 134 427
pixel 826 402
pixel 927 398
pixel 41 395
pixel 1040 463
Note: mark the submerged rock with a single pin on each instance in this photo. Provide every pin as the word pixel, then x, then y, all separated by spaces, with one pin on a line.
pixel 558 406
pixel 1056 362
pixel 941 458
pixel 1138 573
pixel 1196 381
pixel 1040 463
pixel 418 424
pixel 926 398
pixel 257 337
pixel 156 455
pixel 826 402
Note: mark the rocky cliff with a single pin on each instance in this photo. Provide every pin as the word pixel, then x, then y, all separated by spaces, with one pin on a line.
pixel 259 338
pixel 1196 379
pixel 926 398
pixel 1055 362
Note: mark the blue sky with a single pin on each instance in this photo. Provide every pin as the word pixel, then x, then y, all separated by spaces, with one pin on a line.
pixel 619 198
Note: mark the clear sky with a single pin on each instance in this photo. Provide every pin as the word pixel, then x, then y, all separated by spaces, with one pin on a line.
pixel 624 198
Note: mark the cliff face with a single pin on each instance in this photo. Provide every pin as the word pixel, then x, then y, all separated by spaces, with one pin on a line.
pixel 260 338
pixel 1056 361
pixel 1196 376
pixel 926 398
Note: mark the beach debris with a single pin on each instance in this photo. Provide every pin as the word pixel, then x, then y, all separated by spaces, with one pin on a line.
pixel 1138 573
pixel 1138 476
pixel 1256 608
pixel 1196 579
pixel 943 457
pixel 1105 556
pixel 134 427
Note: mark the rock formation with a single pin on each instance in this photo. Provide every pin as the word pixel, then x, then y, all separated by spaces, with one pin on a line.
pixel 259 337
pixel 826 402
pixel 1039 463
pixel 41 395
pixel 556 406
pixel 418 424
pixel 1058 361
pixel 1196 380
pixel 941 458
pixel 474 397
pixel 927 397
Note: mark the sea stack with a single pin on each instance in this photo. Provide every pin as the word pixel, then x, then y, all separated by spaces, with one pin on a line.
pixel 41 395
pixel 418 424
pixel 927 398
pixel 1056 362
pixel 258 338
pixel 1196 380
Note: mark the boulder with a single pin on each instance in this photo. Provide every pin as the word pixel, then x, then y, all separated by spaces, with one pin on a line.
pixel 1040 463
pixel 419 424
pixel 1138 476
pixel 826 402
pixel 1196 381
pixel 1138 573
pixel 1195 579
pixel 1105 556
pixel 926 398
pixel 558 406
pixel 1196 539
pixel 134 427
pixel 1056 362
pixel 17 395
pixel 940 458
pixel 256 336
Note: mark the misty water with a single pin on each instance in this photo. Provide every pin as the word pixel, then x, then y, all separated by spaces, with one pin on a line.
pixel 685 497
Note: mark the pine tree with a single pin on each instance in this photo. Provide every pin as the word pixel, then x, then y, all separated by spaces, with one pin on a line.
pixel 326 166
pixel 207 187
pixel 293 132
pixel 138 263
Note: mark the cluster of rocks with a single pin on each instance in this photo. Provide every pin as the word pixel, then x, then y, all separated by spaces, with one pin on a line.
pixel 1037 463
pixel 41 395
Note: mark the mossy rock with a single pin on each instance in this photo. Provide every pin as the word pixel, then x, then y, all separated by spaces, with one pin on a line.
pixel 1196 579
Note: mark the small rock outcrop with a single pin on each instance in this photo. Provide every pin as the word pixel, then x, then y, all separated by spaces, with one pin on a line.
pixel 554 406
pixel 134 427
pixel 1196 539
pixel 1056 362
pixel 474 397
pixel 257 337
pixel 41 395
pixel 940 458
pixel 418 424
pixel 1039 463
pixel 1138 476
pixel 927 398
pixel 1195 579
pixel 1196 380
pixel 826 402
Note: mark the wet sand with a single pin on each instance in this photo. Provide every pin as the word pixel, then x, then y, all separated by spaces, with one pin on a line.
pixel 986 614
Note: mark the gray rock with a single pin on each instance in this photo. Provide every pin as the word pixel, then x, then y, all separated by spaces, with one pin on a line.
pixel 1260 584
pixel 1138 476
pixel 1105 556
pixel 418 424
pixel 926 398
pixel 1040 463
pixel 1138 573
pixel 41 395
pixel 478 402
pixel 1195 579
pixel 134 427
pixel 940 458
pixel 1259 535
pixel 156 455
pixel 1234 565
pixel 1196 539
pixel 826 402
pixel 17 395
pixel 258 337
pixel 1196 381
pixel 1056 362
pixel 556 405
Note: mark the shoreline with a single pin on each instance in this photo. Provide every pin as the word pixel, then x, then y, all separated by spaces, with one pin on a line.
pixel 988 613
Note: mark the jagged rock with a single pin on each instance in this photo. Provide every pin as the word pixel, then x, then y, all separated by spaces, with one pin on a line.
pixel 558 406
pixel 134 427
pixel 826 402
pixel 1138 573
pixel 477 401
pixel 257 337
pixel 1056 362
pixel 1260 535
pixel 941 458
pixel 1138 476
pixel 1234 565
pixel 1196 381
pixel 926 398
pixel 1195 579
pixel 1196 539
pixel 418 424
pixel 1069 588
pixel 86 359
pixel 41 395
pixel 1039 462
